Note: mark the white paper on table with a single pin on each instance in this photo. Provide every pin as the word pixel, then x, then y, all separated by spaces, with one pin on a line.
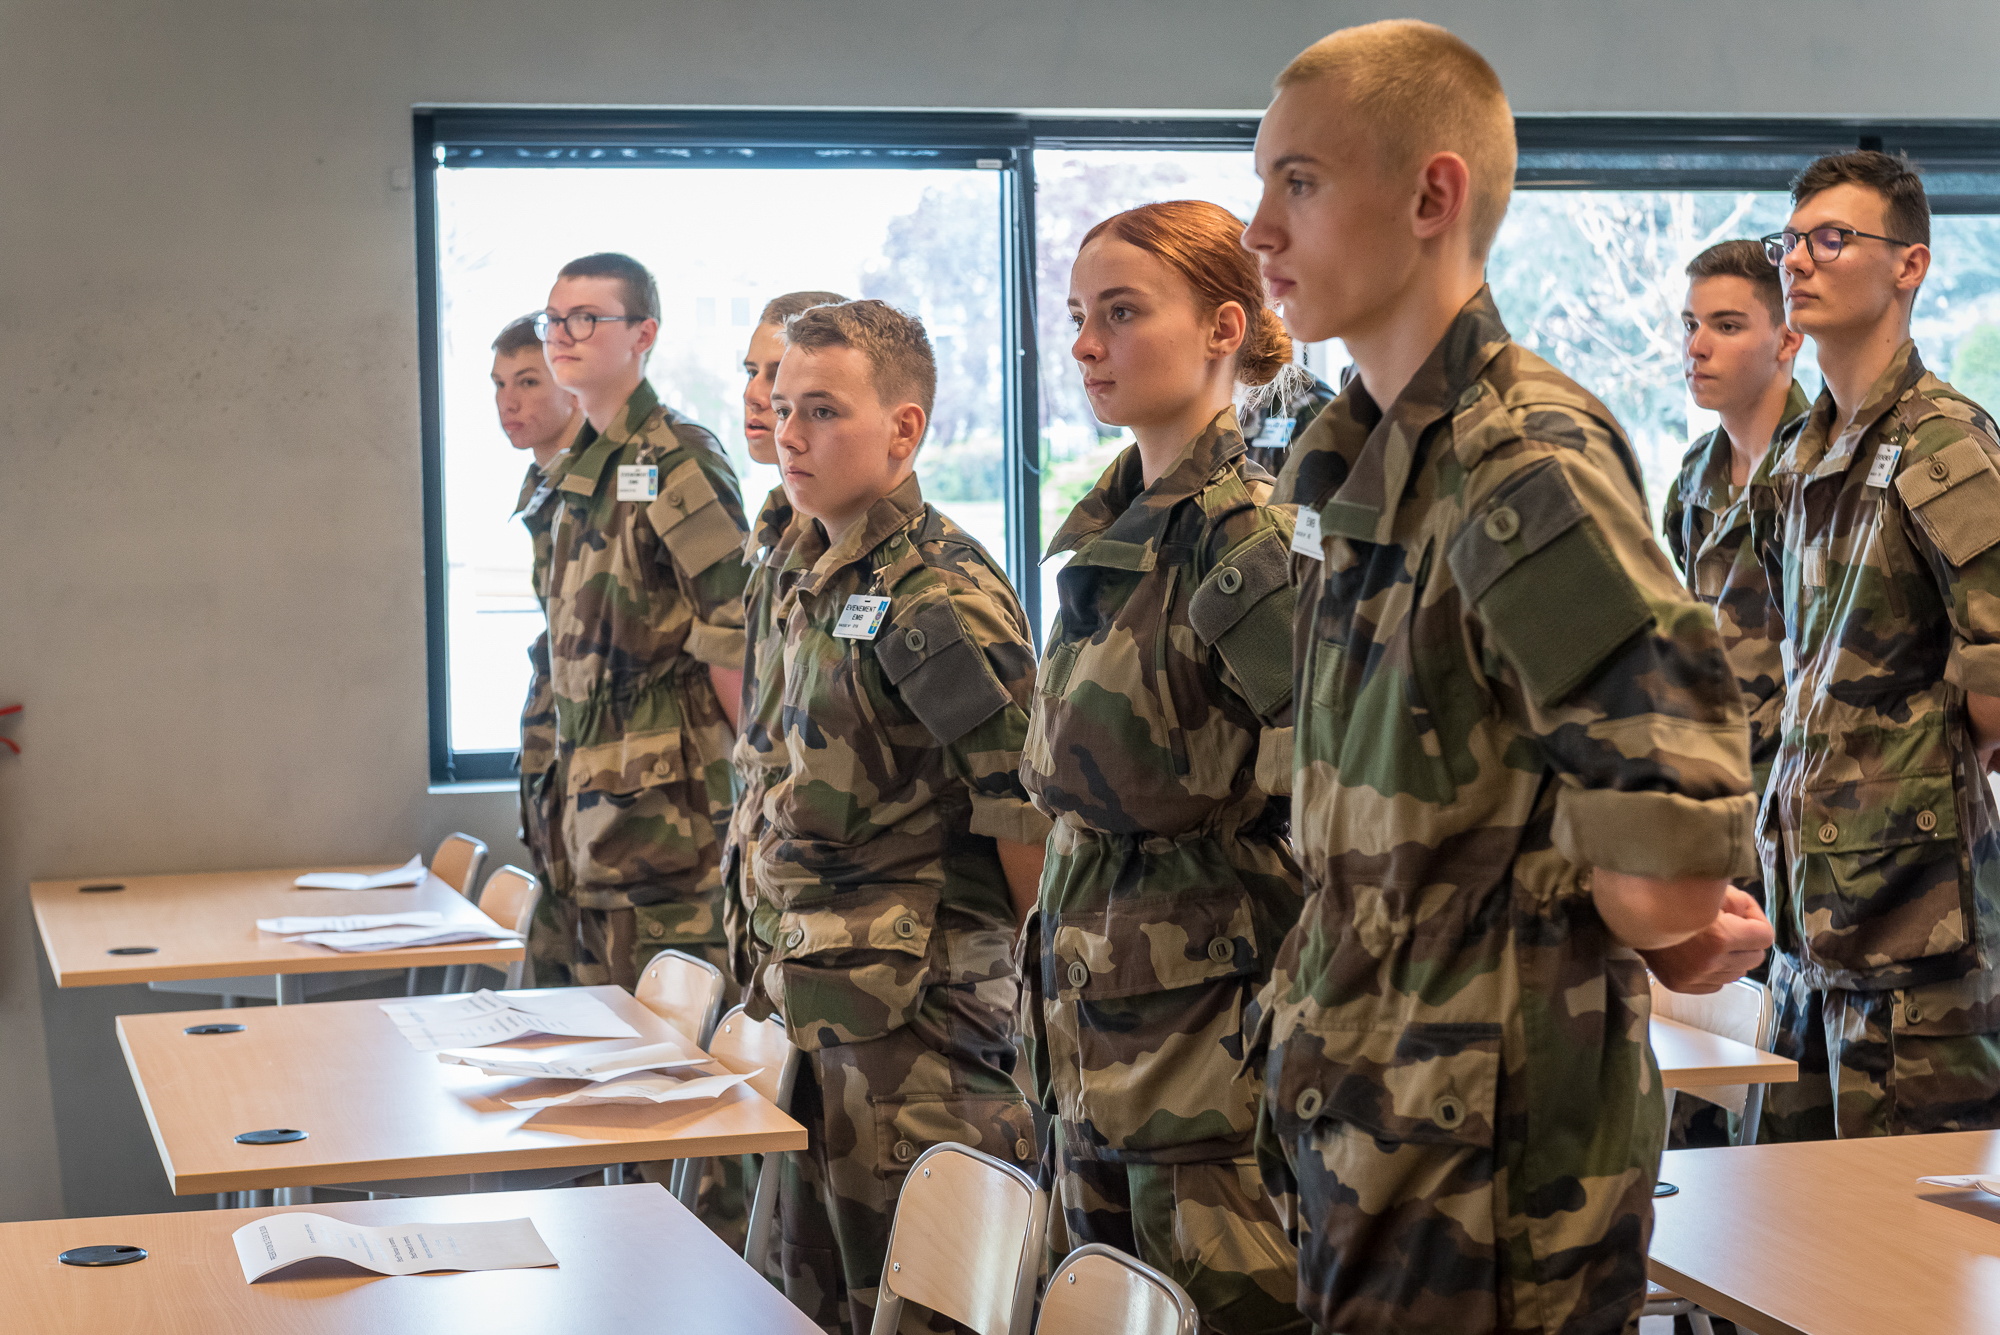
pixel 591 1066
pixel 410 873
pixel 353 922
pixel 640 1089
pixel 392 938
pixel 488 1017
pixel 279 1240
pixel 1986 1184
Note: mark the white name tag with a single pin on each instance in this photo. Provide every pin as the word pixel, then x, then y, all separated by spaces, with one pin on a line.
pixel 1884 466
pixel 862 617
pixel 1305 536
pixel 1277 434
pixel 638 482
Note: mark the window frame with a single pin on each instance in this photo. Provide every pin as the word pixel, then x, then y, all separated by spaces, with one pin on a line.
pixel 1557 152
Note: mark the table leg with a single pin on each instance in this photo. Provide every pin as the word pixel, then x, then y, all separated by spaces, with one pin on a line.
pixel 289 988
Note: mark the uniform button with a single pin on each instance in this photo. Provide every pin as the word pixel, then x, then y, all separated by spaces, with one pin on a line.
pixel 1503 524
pixel 1222 950
pixel 662 768
pixel 914 638
pixel 1470 397
pixel 1079 974
pixel 1913 1012
pixel 1229 580
pixel 905 1151
pixel 674 498
pixel 656 929
pixel 1829 832
pixel 1309 1104
pixel 795 938
pixel 1940 470
pixel 1927 821
pixel 906 928
pixel 1448 1112
pixel 1022 1149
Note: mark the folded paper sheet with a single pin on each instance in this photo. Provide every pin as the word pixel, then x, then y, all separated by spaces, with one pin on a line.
pixel 410 873
pixel 640 1089
pixel 394 938
pixel 1990 1185
pixel 353 922
pixel 591 1066
pixel 491 1017
pixel 278 1240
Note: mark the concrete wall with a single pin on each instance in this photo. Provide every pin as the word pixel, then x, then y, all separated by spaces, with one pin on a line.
pixel 211 599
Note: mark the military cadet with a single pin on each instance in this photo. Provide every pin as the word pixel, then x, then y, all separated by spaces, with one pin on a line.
pixel 757 758
pixel 1169 883
pixel 645 600
pixel 1878 836
pixel 542 417
pixel 1521 757
pixel 901 847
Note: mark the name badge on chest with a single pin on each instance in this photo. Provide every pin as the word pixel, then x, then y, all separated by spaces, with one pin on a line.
pixel 862 617
pixel 638 482
pixel 1884 466
pixel 1305 535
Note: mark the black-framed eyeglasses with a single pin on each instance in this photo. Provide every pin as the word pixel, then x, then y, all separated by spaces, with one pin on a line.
pixel 1822 243
pixel 579 325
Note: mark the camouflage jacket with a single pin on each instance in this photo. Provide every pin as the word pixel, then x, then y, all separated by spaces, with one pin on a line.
pixel 1269 431
pixel 877 875
pixel 541 784
pixel 1169 882
pixel 1707 528
pixel 759 754
pixel 1878 833
pixel 1500 685
pixel 644 595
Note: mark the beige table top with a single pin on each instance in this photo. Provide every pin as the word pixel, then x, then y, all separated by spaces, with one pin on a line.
pixel 628 1259
pixel 1691 1058
pixel 375 1108
pixel 205 926
pixel 1835 1237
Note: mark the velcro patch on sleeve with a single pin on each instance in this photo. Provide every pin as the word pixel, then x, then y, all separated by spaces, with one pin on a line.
pixel 942 675
pixel 1955 495
pixel 1548 587
pixel 1243 610
pixel 692 521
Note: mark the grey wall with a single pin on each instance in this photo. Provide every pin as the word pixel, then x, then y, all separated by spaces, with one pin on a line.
pixel 211 596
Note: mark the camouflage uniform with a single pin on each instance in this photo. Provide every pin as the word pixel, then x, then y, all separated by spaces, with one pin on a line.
pixel 541 780
pixel 643 597
pixel 882 912
pixel 1169 883
pixel 1269 431
pixel 1878 832
pixel 1500 684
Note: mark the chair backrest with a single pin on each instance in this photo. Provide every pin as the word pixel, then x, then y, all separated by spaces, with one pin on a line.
pixel 1740 1010
pixel 743 1044
pixel 509 898
pixel 458 862
pixel 966 1243
pixel 1099 1290
pixel 684 991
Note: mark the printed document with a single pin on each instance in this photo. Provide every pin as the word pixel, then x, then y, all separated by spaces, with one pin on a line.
pixel 353 922
pixel 641 1089
pixel 278 1240
pixel 395 938
pixel 410 873
pixel 589 1066
pixel 492 1017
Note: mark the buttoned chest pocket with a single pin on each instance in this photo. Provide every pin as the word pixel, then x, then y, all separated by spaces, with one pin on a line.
pixel 833 738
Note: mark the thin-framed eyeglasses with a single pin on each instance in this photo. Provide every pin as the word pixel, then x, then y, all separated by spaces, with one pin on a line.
pixel 579 325
pixel 1822 243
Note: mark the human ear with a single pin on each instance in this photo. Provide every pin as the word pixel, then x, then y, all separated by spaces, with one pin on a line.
pixel 907 424
pixel 1444 184
pixel 649 334
pixel 1916 263
pixel 1790 341
pixel 1227 329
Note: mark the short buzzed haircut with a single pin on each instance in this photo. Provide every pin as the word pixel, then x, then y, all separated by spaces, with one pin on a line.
pixel 1909 213
pixel 1743 259
pixel 1422 91
pixel 641 296
pixel 518 336
pixel 897 349
pixel 780 309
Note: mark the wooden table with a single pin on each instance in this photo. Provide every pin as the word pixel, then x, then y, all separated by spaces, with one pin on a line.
pixel 629 1259
pixel 1835 1237
pixel 204 925
pixel 1691 1058
pixel 374 1108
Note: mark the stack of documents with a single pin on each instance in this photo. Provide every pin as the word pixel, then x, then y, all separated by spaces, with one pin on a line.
pixel 641 1089
pixel 352 922
pixel 279 1240
pixel 488 1017
pixel 384 931
pixel 1989 1185
pixel 589 1066
pixel 410 873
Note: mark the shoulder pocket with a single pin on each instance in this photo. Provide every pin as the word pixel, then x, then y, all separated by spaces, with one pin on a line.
pixel 692 521
pixel 1243 610
pixel 1551 592
pixel 940 672
pixel 1955 495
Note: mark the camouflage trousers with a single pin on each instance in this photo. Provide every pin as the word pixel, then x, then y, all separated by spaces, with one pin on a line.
pixel 1208 1225
pixel 572 946
pixel 1878 1063
pixel 869 1110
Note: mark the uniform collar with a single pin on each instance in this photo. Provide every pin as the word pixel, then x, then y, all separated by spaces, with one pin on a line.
pixel 887 517
pixel 764 544
pixel 1707 486
pixel 531 484
pixel 589 452
pixel 1121 522
pixel 1812 454
pixel 1364 506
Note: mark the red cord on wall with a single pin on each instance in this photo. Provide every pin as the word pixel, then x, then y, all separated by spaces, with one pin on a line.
pixel 12 745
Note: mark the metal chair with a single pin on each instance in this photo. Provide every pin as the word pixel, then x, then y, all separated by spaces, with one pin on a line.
pixel 509 899
pixel 457 862
pixel 966 1243
pixel 742 1044
pixel 684 991
pixel 1099 1290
